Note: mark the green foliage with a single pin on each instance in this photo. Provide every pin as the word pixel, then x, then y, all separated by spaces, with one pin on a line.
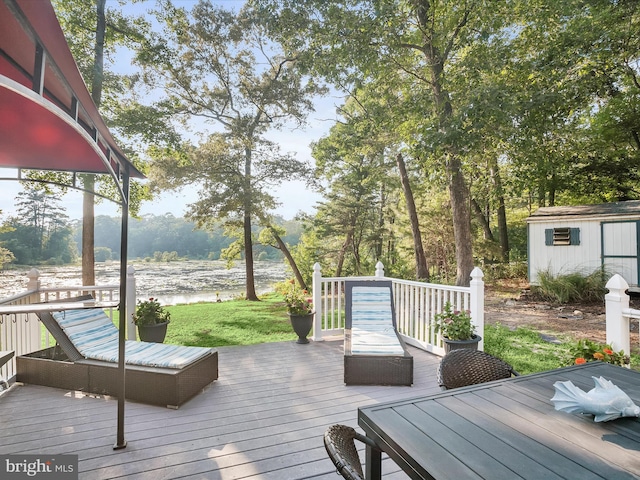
pixel 571 287
pixel 150 312
pixel 453 324
pixel 102 254
pixel 166 256
pixel 505 270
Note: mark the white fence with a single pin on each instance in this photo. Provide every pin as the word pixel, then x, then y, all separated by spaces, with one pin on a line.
pixel 23 333
pixel 619 314
pixel 416 303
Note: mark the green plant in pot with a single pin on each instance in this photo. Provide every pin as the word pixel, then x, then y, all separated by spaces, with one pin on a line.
pixel 300 310
pixel 456 328
pixel 152 320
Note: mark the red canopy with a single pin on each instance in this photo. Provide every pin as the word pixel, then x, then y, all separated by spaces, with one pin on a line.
pixel 48 120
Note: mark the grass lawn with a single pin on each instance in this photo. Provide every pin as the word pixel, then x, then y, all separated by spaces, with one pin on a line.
pixel 235 322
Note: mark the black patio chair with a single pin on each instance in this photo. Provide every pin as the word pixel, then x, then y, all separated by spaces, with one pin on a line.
pixel 339 440
pixel 463 367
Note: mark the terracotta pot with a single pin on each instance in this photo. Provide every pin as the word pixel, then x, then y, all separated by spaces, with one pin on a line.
pixel 302 325
pixel 154 333
pixel 471 343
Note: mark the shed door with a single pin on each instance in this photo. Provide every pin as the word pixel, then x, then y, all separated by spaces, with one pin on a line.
pixel 620 249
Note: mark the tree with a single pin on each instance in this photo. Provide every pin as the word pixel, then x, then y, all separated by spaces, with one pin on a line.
pixel 417 40
pixel 40 231
pixel 219 66
pixel 93 33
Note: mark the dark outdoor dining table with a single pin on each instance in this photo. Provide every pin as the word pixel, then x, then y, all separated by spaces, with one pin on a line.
pixel 507 429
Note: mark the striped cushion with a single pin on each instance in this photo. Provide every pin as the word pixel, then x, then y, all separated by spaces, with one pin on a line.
pixel 372 331
pixel 96 337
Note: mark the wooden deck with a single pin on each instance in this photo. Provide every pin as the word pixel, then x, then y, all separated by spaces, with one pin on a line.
pixel 262 419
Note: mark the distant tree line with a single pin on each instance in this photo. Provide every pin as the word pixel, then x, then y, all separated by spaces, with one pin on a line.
pixel 167 238
pixel 41 233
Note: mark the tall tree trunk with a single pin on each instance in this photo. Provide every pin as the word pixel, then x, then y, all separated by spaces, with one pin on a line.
pixel 287 254
pixel 461 222
pixel 88 200
pixel 503 233
pixel 88 232
pixel 482 219
pixel 248 259
pixel 422 269
pixel 248 241
pixel 379 247
pixel 343 252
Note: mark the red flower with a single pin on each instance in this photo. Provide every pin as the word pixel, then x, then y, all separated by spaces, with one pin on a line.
pixel 607 351
pixel 580 361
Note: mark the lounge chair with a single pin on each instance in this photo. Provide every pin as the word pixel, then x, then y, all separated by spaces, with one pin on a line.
pixel 374 353
pixel 86 359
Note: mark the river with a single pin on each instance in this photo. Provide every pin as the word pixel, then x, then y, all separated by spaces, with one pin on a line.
pixel 172 282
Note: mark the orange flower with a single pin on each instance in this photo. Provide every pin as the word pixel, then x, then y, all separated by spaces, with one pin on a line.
pixel 598 356
pixel 580 361
pixel 607 351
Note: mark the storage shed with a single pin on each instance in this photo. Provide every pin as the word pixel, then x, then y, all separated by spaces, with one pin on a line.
pixel 582 238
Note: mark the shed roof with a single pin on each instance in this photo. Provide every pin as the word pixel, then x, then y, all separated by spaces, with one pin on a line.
pixel 631 207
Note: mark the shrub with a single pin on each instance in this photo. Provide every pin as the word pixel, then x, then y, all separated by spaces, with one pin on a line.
pixel 572 287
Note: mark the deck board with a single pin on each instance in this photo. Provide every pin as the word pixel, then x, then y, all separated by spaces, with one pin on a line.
pixel 262 419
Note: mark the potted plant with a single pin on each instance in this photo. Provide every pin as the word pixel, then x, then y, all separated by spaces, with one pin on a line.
pixel 456 329
pixel 300 310
pixel 151 320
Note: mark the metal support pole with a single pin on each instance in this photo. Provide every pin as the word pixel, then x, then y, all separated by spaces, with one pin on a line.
pixel 122 317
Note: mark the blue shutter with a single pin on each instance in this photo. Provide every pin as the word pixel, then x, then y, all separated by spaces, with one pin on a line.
pixel 575 236
pixel 548 236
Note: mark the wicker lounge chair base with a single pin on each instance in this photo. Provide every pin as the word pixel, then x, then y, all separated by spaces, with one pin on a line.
pixel 374 352
pixel 152 385
pixel 378 370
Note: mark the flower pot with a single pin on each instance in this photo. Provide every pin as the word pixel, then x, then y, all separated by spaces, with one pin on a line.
pixel 302 325
pixel 154 332
pixel 471 343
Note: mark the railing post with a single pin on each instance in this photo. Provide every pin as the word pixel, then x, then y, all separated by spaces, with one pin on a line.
pixel 131 302
pixel 34 279
pixel 316 288
pixel 31 329
pixel 616 301
pixel 379 270
pixel 476 303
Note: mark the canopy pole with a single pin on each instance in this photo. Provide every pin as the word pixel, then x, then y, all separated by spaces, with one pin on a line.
pixel 122 320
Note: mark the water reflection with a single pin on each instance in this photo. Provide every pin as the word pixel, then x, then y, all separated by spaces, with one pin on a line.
pixel 174 282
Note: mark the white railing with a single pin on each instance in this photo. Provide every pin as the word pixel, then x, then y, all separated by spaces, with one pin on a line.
pixel 618 314
pixel 23 333
pixel 416 303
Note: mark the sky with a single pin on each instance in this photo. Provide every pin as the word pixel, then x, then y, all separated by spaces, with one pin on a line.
pixel 293 196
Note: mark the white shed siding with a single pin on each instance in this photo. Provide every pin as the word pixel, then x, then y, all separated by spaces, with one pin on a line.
pixel 563 259
pixel 620 239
